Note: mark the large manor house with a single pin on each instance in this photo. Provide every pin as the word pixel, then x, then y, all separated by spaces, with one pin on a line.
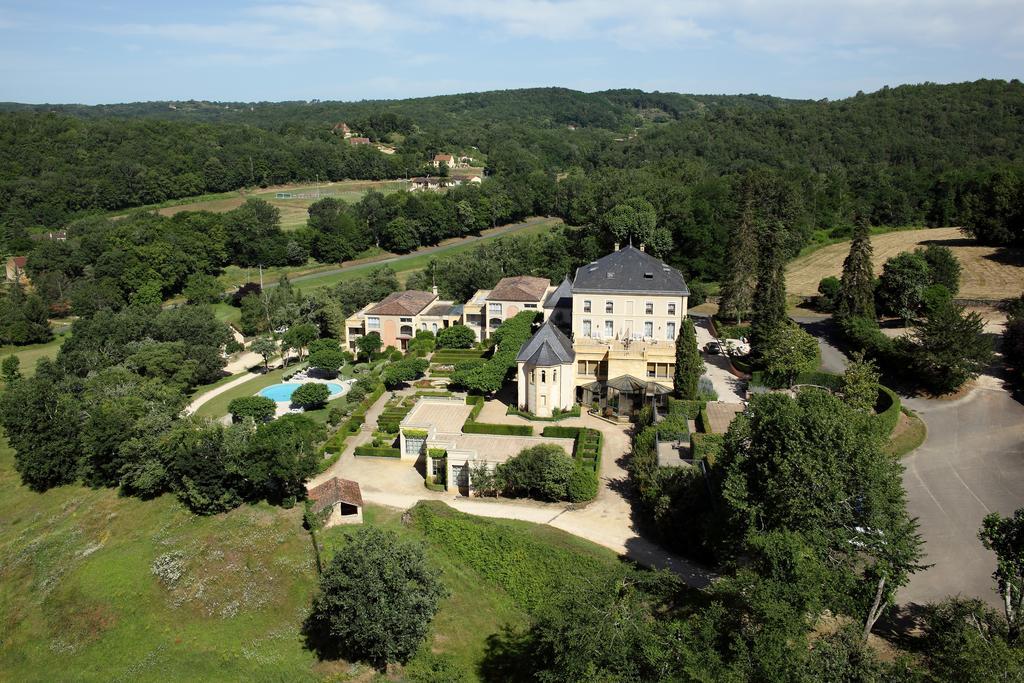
pixel 610 331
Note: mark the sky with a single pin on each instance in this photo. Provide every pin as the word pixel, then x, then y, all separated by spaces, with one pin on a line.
pixel 269 50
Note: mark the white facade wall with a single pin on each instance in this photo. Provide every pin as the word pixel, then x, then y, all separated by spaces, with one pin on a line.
pixel 629 316
pixel 542 390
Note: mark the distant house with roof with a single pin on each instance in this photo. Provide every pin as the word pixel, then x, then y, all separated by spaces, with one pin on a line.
pixel 398 317
pixel 432 183
pixel 56 236
pixel 342 497
pixel 445 159
pixel 16 270
pixel 342 129
pixel 488 308
pixel 358 141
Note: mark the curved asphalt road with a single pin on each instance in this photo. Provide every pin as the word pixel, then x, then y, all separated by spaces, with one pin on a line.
pixel 971 463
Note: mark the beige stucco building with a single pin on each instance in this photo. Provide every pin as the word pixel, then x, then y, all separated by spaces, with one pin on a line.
pixel 624 312
pixel 489 308
pixel 545 372
pixel 399 316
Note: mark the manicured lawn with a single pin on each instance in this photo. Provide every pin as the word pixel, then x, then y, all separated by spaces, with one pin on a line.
pixel 218 406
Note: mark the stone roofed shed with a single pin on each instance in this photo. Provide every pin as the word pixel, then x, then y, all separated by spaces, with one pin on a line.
pixel 409 302
pixel 545 372
pixel 342 497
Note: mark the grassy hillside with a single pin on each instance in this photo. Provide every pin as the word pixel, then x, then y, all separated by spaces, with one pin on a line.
pixel 988 272
pixel 96 587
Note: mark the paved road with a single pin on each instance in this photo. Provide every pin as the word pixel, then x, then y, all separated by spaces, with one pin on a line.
pixel 729 388
pixel 832 359
pixel 972 463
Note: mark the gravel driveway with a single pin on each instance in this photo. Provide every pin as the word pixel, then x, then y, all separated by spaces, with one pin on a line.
pixel 728 386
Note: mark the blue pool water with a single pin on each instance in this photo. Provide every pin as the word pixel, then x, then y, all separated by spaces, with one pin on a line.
pixel 283 392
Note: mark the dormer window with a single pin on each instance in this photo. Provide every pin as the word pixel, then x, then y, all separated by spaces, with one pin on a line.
pixel 648 276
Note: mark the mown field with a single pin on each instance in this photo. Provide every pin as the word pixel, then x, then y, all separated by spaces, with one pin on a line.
pixel 97 587
pixel 293 211
pixel 988 272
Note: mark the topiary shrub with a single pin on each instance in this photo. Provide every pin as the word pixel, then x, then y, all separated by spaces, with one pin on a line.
pixel 582 485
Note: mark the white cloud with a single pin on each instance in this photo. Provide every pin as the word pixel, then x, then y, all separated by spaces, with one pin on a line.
pixel 851 29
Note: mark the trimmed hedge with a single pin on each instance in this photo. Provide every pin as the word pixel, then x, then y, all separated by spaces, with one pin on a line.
pixel 556 432
pixel 706 447
pixel 432 485
pixel 498 430
pixel 559 414
pixel 887 410
pixel 377 452
pixel 689 408
pixel 587 444
pixel 478 404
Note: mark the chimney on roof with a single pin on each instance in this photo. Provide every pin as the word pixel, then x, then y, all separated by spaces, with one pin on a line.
pixel 433 290
pixel 641 246
pixel 616 246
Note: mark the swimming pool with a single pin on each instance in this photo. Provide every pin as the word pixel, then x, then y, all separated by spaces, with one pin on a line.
pixel 282 393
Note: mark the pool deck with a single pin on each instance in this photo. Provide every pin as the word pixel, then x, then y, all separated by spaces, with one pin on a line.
pixel 284 407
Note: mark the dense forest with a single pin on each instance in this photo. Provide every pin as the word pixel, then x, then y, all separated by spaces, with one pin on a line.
pixel 924 154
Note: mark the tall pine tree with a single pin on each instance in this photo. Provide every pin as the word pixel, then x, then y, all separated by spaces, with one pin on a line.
pixel 770 294
pixel 741 277
pixel 689 364
pixel 857 286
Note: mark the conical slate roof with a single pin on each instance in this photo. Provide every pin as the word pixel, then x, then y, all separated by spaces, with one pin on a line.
pixel 547 347
pixel 562 295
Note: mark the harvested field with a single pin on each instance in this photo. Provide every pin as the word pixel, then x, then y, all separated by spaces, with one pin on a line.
pixel 293 210
pixel 988 272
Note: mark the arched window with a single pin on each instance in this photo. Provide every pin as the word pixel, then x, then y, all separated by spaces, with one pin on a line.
pixel 543 377
pixel 554 375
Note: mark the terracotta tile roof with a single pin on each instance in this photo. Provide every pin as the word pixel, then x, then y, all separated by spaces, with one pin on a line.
pixel 19 261
pixel 443 157
pixel 409 302
pixel 359 141
pixel 519 288
pixel 333 491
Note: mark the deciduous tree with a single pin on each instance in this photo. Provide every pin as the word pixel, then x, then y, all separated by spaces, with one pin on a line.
pixel 377 598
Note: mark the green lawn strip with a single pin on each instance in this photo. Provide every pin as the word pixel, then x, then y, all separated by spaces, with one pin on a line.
pixel 218 405
pixel 910 438
pixel 30 355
